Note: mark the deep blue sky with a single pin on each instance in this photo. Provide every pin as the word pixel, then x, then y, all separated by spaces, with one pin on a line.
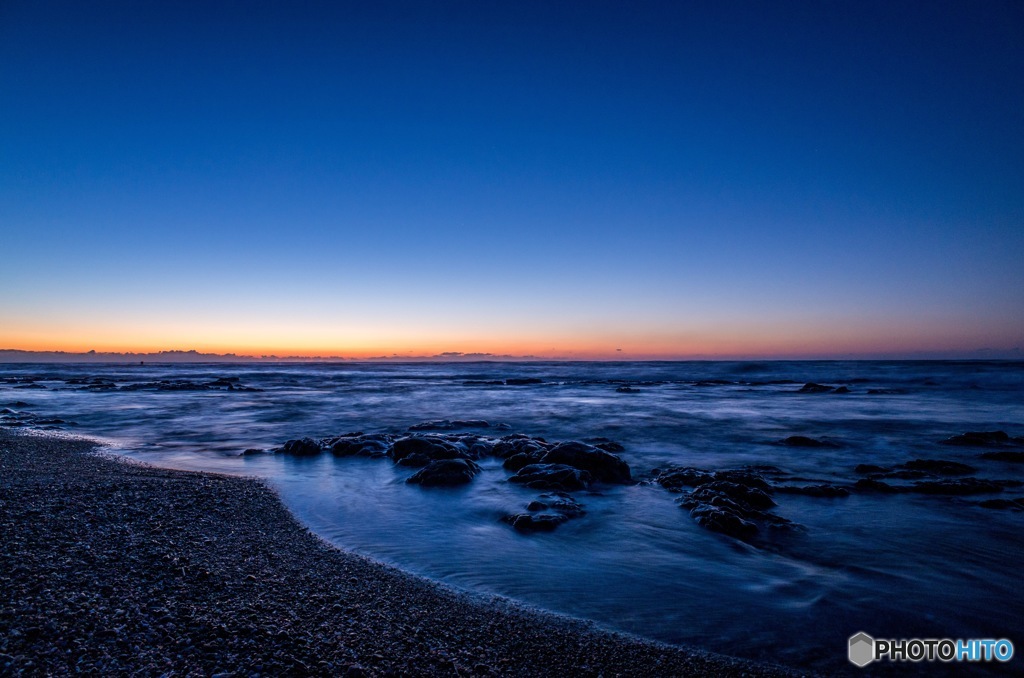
pixel 553 178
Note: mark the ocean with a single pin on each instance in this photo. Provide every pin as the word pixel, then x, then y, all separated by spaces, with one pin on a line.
pixel 932 557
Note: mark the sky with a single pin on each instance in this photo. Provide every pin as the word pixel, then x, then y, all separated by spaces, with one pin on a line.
pixel 560 179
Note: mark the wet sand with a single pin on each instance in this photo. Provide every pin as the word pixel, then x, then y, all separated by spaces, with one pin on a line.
pixel 115 567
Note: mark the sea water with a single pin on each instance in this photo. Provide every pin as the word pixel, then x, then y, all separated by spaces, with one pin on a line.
pixel 894 566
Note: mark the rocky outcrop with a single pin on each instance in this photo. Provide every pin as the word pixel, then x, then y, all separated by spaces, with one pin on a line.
pixel 445 472
pixel 304 447
pixel 420 451
pixel 547 513
pixel 1008 455
pixel 361 445
pixel 552 477
pixel 978 439
pixel 603 466
pixel 939 467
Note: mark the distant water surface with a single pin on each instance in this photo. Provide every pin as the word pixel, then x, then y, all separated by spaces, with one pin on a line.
pixel 909 565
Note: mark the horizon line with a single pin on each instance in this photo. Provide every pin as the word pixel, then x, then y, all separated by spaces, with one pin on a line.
pixel 170 356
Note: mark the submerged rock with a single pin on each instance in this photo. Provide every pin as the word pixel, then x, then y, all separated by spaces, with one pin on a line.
pixel 523 381
pixel 939 467
pixel 870 468
pixel 811 387
pixel 305 447
pixel 804 441
pixel 518 461
pixel 420 451
pixel 750 496
pixel 724 520
pixel 603 466
pixel 552 477
pixel 445 472
pixel 679 477
pixel 978 439
pixel 1003 504
pixel 555 509
pixel 627 389
pixel 606 444
pixel 1010 456
pixel 519 443
pixel 361 445
pixel 731 508
pixel 873 485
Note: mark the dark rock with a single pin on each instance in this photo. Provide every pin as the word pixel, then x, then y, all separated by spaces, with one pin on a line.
pixel 886 391
pixel 562 503
pixel 557 508
pixel 1003 504
pixel 519 443
pixel 745 478
pixel 627 389
pixel 872 485
pixel 251 451
pixel 1010 456
pixel 719 519
pixel 870 468
pixel 535 522
pixel 960 486
pixel 518 461
pixel 445 472
pixel 30 386
pixel 523 381
pixel 751 496
pixel 826 491
pixel 450 425
pixel 604 466
pixel 940 467
pixel 804 441
pixel 841 389
pixel 361 445
pixel 552 477
pixel 306 447
pixel 420 451
pixel 978 439
pixel 480 448
pixel 811 387
pixel 676 478
pixel 605 444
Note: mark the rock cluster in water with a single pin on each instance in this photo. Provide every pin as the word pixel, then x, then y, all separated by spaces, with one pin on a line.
pixel 101 384
pixel 450 459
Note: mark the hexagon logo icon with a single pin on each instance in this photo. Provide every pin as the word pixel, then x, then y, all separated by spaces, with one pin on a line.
pixel 862 649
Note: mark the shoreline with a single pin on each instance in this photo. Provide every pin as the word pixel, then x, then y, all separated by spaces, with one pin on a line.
pixel 112 565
